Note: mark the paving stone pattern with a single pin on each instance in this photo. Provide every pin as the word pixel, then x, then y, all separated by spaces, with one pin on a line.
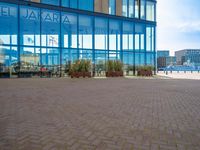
pixel 102 114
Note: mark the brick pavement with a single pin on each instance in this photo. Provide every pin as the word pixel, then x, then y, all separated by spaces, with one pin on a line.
pixel 100 114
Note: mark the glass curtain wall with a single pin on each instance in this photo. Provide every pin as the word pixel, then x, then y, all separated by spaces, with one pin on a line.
pixel 86 5
pixel 142 9
pixel 50 40
pixel 65 3
pixel 101 45
pixel 150 11
pixel 29 39
pixel 54 39
pixel 8 38
pixel 51 2
pixel 131 8
pixel 85 37
pixel 139 44
pixel 137 8
pixel 112 7
pixel 150 45
pixel 69 41
pixel 114 39
pixel 128 48
pixel 125 8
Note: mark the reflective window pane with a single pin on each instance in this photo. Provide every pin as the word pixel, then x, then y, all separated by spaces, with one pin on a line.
pixel 65 3
pixel 8 56
pixel 150 38
pixel 101 33
pixel 85 32
pixel 50 28
pixel 139 37
pixel 125 8
pixel 137 8
pixel 150 11
pixel 30 56
pixel 73 3
pixel 131 8
pixel 69 30
pixel 8 24
pixel 29 26
pixel 86 4
pixel 51 2
pixel 127 37
pixel 114 35
pixel 142 9
pixel 112 7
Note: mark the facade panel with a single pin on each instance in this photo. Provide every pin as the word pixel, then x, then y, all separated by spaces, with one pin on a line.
pixel 119 7
pixel 105 6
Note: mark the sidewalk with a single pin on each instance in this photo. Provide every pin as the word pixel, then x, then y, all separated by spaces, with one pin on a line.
pixel 180 75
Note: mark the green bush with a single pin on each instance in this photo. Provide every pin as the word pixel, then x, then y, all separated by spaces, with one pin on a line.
pixel 81 66
pixel 145 68
pixel 110 65
pixel 118 66
pixel 114 65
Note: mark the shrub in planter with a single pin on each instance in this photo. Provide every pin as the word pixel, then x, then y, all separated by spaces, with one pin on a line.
pixel 80 68
pixel 118 68
pixel 110 65
pixel 114 68
pixel 144 70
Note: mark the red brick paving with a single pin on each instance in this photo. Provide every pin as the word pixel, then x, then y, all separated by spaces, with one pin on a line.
pixel 99 114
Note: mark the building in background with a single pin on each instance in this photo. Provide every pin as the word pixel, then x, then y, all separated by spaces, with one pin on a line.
pixel 162 53
pixel 54 32
pixel 163 62
pixel 164 59
pixel 188 57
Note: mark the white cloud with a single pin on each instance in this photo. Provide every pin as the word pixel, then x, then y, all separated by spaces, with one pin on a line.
pixel 178 24
pixel 188 27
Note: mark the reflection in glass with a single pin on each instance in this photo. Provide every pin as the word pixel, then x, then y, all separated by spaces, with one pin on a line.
pixel 114 35
pixel 131 9
pixel 150 8
pixel 85 32
pixel 50 28
pixel 112 8
pixel 101 33
pixel 125 8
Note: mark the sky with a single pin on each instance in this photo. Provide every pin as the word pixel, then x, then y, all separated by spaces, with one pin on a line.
pixel 178 24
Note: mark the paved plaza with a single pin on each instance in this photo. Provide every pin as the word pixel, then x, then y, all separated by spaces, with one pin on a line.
pixel 194 75
pixel 103 114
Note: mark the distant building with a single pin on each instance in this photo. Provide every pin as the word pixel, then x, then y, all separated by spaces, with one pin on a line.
pixel 162 53
pixel 163 62
pixel 188 56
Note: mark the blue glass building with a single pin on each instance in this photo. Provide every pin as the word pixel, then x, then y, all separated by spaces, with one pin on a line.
pixel 55 33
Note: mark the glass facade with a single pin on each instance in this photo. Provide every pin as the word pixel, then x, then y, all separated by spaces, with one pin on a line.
pixel 36 37
pixel 112 7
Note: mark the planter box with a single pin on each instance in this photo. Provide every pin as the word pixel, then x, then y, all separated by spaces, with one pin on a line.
pixel 80 74
pixel 24 75
pixel 114 74
pixel 146 73
pixel 4 74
